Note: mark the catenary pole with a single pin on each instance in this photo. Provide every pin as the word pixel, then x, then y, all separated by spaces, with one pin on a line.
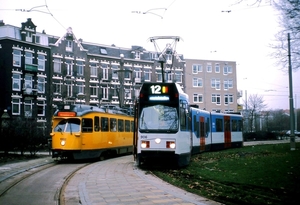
pixel 292 116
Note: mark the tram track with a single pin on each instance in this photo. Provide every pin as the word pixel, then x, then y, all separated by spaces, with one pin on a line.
pixel 35 176
pixel 10 180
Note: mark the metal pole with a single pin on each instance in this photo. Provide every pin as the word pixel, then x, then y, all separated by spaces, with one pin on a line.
pixel 292 116
pixel 162 71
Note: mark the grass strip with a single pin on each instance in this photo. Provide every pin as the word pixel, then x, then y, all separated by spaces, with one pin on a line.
pixel 261 174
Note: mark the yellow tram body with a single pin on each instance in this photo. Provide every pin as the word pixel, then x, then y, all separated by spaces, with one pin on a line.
pixel 82 132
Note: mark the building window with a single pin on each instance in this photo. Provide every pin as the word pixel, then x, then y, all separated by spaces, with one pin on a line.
pixel 69 65
pixel 80 68
pixel 228 84
pixel 103 51
pixel 227 69
pixel 154 56
pixel 104 71
pixel 16 106
pixel 16 82
pixel 208 68
pixel 105 93
pixel 215 83
pixel 137 73
pixel 169 58
pixel 137 55
pixel 94 71
pixel 197 68
pixel 37 39
pixel 57 65
pixel 127 73
pixel 127 94
pixel 197 82
pixel 158 76
pixel 28 57
pixel 28 36
pixel 93 90
pixel 57 87
pixel 69 46
pixel 17 58
pixel 228 98
pixel 80 86
pixel 178 76
pixel 69 90
pixel 216 98
pixel 41 108
pixel 168 76
pixel 114 69
pixel 41 62
pixel 41 85
pixel 198 98
pixel 147 75
pixel 28 82
pixel 28 108
pixel 217 68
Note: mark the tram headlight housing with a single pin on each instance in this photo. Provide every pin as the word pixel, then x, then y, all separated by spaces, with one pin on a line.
pixel 170 144
pixel 62 142
pixel 145 144
pixel 157 140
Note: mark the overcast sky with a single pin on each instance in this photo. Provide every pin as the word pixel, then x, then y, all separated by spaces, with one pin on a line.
pixel 242 35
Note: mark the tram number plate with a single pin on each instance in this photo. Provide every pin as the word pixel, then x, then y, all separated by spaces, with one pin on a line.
pixel 144 137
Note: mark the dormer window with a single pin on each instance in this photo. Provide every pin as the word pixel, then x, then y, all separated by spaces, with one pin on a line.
pixel 137 55
pixel 103 51
pixel 37 39
pixel 69 46
pixel 28 36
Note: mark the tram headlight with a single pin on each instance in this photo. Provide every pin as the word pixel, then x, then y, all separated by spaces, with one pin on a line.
pixel 170 144
pixel 157 140
pixel 145 144
pixel 62 143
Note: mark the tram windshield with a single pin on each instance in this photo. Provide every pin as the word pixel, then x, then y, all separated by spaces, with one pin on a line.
pixel 68 125
pixel 158 118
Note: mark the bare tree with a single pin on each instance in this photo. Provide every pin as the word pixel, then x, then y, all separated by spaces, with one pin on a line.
pixel 290 23
pixel 289 20
pixel 255 104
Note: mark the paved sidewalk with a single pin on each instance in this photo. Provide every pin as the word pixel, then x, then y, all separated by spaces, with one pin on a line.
pixel 119 181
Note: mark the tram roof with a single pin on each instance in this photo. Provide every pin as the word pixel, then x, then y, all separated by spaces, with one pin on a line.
pixel 85 109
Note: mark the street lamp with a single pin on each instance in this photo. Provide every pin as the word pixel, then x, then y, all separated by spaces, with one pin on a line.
pixel 4 120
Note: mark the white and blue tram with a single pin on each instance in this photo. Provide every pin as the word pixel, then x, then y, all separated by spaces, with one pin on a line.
pixel 168 128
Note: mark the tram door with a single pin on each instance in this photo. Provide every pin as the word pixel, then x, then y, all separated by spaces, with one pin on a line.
pixel 202 134
pixel 227 133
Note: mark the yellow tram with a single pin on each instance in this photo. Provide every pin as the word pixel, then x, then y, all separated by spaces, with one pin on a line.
pixel 85 132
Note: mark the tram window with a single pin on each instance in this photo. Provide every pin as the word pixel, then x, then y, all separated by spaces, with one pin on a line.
pixel 196 126
pixel 120 125
pixel 127 126
pixel 240 125
pixel 207 125
pixel 219 125
pixel 68 125
pixel 104 124
pixel 87 125
pixel 183 121
pixel 96 124
pixel 113 124
pixel 234 125
pixel 132 126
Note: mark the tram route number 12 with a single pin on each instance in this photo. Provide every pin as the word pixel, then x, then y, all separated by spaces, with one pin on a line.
pixel 157 89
